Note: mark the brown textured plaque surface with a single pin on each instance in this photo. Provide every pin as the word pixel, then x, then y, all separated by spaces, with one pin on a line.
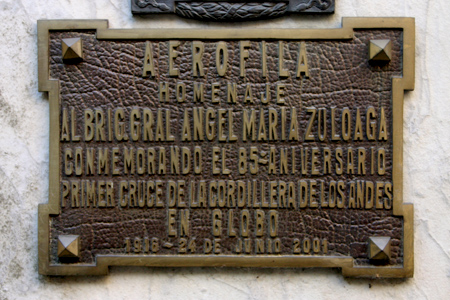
pixel 125 232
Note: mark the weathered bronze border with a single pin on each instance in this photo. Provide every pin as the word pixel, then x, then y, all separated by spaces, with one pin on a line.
pixel 346 263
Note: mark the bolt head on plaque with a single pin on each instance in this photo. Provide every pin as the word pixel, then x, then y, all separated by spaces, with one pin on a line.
pixel 380 51
pixel 72 49
pixel 379 248
pixel 69 246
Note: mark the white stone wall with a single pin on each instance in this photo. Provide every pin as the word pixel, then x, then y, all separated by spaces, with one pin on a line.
pixel 24 121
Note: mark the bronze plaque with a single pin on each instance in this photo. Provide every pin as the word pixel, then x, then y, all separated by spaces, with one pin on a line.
pixel 226 147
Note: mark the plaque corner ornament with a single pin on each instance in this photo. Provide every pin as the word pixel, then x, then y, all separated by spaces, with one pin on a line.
pixel 65 249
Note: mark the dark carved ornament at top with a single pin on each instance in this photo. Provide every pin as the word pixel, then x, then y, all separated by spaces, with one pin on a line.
pixel 213 10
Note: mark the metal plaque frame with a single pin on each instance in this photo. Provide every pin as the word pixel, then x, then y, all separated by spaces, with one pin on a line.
pixel 399 85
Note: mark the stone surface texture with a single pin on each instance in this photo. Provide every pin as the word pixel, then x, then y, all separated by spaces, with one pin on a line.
pixel 24 120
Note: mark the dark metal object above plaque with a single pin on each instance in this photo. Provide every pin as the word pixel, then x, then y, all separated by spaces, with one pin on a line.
pixel 226 147
pixel 216 10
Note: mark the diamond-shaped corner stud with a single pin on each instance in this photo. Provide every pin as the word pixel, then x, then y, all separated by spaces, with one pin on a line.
pixel 380 51
pixel 379 248
pixel 69 246
pixel 72 49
